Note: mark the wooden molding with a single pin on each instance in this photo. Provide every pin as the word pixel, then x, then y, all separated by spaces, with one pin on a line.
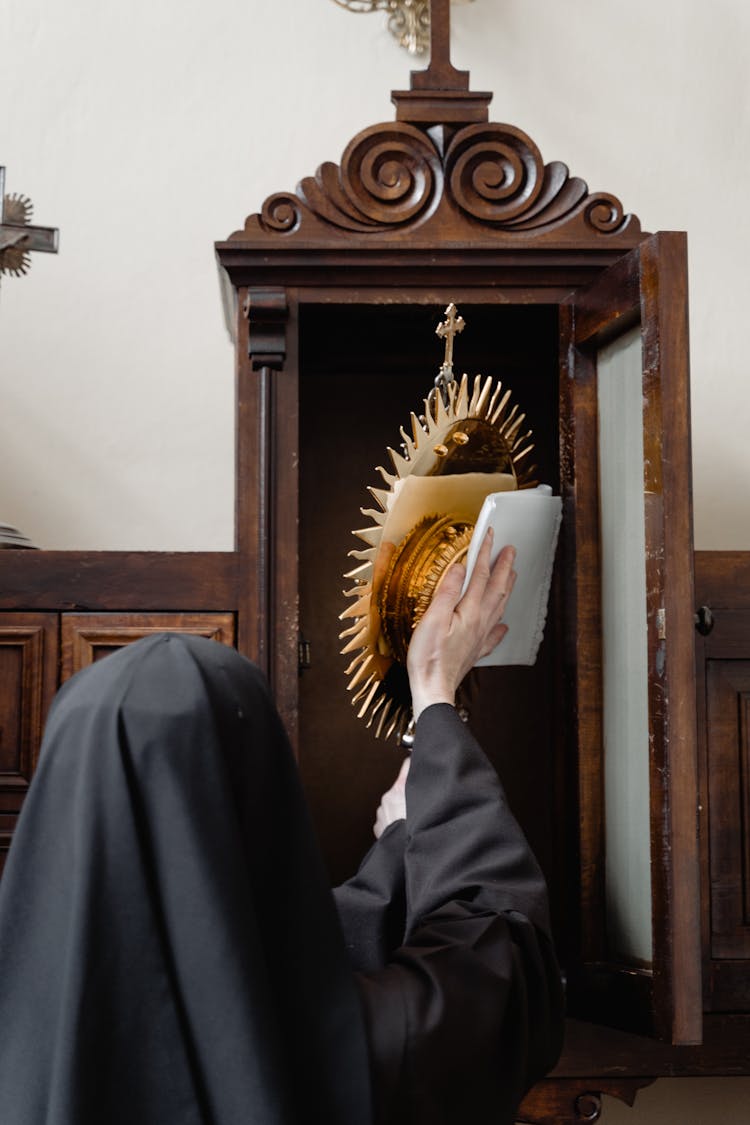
pixel 87 637
pixel 485 182
pixel 267 312
pixel 117 580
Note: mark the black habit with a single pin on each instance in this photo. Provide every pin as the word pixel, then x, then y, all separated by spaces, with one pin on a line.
pixel 170 952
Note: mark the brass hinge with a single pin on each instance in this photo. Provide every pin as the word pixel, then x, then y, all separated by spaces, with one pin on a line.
pixel 303 655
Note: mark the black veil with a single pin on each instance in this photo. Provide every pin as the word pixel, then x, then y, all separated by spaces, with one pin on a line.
pixel 169 948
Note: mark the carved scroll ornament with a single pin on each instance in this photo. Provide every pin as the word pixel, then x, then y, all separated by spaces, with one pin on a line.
pixel 571 1101
pixel 395 177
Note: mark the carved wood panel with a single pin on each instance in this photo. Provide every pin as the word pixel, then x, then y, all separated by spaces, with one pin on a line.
pixel 28 672
pixel 728 702
pixel 723 673
pixel 728 749
pixel 87 637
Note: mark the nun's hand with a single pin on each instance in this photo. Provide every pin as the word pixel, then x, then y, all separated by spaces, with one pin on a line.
pixel 457 630
pixel 392 805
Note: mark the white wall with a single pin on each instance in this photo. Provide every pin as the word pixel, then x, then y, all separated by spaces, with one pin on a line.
pixel 147 130
pixel 684 1101
pixel 136 128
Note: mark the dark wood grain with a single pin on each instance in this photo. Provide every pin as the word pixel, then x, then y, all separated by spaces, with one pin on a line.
pixel 284 500
pixel 646 288
pixel 572 1102
pixel 87 637
pixel 723 679
pixel 594 1050
pixel 722 581
pixel 669 575
pixel 28 681
pixel 117 580
pixel 728 703
pixel 537 275
pixel 582 632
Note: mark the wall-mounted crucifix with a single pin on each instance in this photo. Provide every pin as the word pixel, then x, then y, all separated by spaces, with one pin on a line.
pixel 17 236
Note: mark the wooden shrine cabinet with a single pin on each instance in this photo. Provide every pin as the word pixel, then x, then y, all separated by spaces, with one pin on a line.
pixel 334 291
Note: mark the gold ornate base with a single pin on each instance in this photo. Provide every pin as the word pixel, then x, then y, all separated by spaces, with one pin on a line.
pixel 417 567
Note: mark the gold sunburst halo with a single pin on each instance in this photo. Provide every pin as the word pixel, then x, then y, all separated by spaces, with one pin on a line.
pixel 469 442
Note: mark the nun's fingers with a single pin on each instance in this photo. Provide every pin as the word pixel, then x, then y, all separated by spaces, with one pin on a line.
pixel 502 577
pixel 470 604
pixel 392 805
pixel 493 638
pixel 504 590
pixel 485 599
pixel 496 598
pixel 447 595
pixel 403 773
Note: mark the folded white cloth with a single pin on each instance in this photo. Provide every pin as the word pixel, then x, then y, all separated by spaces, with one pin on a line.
pixel 530 521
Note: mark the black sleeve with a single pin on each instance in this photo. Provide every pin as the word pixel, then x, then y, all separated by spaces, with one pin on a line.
pixel 467 1014
pixel 372 904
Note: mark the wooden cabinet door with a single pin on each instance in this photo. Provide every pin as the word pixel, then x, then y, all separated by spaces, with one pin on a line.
pixel 28 679
pixel 728 729
pixel 723 672
pixel 87 637
pixel 625 454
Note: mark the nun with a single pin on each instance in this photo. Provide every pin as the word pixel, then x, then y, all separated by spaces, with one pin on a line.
pixel 171 952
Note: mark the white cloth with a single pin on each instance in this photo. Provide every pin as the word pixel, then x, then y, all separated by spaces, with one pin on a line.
pixel 529 520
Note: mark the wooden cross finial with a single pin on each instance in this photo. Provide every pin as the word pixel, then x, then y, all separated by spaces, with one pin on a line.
pixel 448 329
pixel 17 236
pixel 441 93
pixel 440 74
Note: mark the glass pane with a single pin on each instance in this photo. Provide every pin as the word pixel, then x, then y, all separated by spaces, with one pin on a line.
pixel 625 657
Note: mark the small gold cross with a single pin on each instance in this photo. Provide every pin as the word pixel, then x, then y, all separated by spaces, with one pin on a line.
pixel 448 329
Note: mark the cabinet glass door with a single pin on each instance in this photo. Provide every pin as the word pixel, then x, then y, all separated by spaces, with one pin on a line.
pixel 625 453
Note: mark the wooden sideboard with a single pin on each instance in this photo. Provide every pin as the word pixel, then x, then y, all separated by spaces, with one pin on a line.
pixel 61 610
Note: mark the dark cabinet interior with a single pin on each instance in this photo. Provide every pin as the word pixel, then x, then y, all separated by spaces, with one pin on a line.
pixel 363 370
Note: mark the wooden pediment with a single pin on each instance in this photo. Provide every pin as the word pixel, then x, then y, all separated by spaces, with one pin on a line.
pixel 440 178
pixel 482 184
